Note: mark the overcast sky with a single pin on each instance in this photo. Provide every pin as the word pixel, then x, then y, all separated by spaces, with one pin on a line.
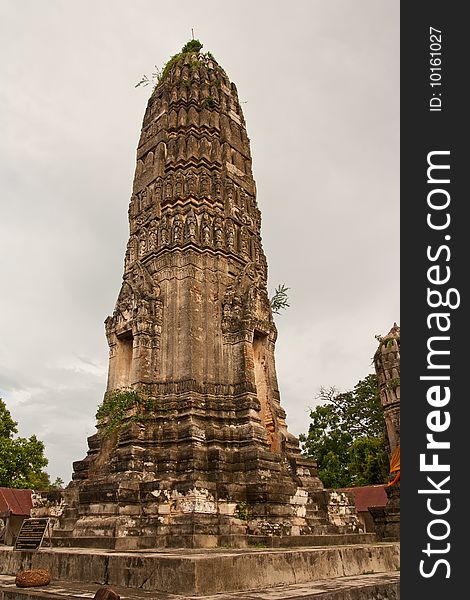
pixel 319 86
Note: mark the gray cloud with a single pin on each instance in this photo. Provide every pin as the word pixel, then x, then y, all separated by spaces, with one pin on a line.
pixel 319 82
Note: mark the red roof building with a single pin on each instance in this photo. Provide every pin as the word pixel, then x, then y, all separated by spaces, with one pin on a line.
pixel 15 502
pixel 368 495
pixel 15 506
pixel 365 496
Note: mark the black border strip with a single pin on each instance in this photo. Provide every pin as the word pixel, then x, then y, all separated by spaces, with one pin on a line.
pixel 424 131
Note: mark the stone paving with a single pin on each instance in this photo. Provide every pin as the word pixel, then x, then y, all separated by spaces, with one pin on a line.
pixel 376 586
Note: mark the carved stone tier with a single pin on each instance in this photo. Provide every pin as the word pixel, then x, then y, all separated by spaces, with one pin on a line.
pixel 204 457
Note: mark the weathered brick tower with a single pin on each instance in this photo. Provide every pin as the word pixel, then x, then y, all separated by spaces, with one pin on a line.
pixel 387 367
pixel 192 446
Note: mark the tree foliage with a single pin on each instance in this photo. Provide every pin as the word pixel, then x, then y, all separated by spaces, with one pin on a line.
pixel 346 436
pixel 279 301
pixel 21 459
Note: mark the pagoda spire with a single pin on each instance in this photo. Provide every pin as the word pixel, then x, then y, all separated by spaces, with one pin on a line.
pixel 191 426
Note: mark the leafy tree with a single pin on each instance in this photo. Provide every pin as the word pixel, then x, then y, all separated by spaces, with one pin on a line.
pixel 368 461
pixel 346 436
pixel 57 483
pixel 21 459
pixel 7 425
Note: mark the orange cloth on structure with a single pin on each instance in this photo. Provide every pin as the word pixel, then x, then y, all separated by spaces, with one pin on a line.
pixel 395 466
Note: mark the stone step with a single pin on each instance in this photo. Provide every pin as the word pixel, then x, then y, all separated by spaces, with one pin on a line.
pixel 67 523
pixel 62 538
pixel 362 587
pixel 303 541
pixel 205 572
pixel 68 527
pixel 62 533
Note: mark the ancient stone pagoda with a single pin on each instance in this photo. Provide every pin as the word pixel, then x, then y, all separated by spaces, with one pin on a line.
pixel 192 447
pixel 387 367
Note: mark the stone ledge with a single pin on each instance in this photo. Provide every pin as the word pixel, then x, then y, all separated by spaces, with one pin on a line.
pixel 200 573
pixel 64 539
pixel 364 587
pixel 303 541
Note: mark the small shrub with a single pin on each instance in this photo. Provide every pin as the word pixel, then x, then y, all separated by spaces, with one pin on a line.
pixel 191 46
pixel 117 403
pixel 241 511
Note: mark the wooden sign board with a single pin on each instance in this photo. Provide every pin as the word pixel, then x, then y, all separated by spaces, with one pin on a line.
pixel 31 534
